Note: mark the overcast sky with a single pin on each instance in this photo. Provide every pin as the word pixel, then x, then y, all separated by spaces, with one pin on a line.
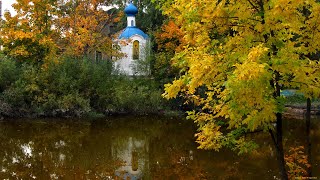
pixel 6 4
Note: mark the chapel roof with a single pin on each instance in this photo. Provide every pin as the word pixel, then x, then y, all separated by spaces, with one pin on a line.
pixel 128 32
pixel 131 10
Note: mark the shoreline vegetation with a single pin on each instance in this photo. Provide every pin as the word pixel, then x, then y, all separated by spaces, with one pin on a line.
pixel 77 88
pixel 84 88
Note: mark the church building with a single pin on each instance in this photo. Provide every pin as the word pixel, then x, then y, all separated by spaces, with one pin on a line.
pixel 133 43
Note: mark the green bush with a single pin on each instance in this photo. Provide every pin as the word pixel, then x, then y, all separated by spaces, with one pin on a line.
pixel 74 87
pixel 135 95
pixel 9 72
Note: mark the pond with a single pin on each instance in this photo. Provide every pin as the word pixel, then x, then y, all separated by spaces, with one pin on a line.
pixel 133 148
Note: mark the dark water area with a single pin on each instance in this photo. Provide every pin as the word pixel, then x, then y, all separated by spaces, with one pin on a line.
pixel 134 148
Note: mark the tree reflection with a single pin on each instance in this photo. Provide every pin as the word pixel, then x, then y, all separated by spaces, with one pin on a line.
pixel 53 154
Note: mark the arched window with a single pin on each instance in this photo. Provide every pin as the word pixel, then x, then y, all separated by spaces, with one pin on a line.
pixel 135 50
pixel 132 23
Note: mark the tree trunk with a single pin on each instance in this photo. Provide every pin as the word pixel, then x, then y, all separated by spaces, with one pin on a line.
pixel 279 145
pixel 308 141
pixel 278 138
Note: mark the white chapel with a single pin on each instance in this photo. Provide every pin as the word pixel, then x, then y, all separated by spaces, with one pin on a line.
pixel 133 43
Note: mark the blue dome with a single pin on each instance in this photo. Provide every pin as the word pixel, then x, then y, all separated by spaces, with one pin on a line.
pixel 131 10
pixel 131 31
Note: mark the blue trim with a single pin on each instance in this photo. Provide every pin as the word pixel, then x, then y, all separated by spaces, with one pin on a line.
pixel 131 31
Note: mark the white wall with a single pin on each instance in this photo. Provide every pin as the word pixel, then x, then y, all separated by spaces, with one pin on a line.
pixel 129 19
pixel 126 64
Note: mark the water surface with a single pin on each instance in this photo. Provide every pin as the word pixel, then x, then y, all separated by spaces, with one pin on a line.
pixel 133 148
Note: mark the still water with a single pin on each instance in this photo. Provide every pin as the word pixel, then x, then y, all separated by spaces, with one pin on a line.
pixel 133 148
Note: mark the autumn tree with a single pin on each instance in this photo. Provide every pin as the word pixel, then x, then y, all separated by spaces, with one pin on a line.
pixel 42 30
pixel 84 27
pixel 168 41
pixel 28 36
pixel 236 58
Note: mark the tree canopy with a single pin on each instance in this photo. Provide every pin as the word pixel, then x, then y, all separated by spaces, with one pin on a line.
pixel 44 29
pixel 238 51
pixel 237 56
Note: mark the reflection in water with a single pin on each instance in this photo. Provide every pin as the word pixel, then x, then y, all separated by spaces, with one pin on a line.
pixel 131 148
pixel 26 149
pixel 132 152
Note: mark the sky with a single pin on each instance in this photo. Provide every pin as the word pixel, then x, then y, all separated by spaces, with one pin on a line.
pixel 6 4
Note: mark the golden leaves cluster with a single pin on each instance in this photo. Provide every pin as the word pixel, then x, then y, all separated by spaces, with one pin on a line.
pixel 237 51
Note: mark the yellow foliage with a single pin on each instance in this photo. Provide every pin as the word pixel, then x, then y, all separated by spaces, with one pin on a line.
pixel 210 137
pixel 238 51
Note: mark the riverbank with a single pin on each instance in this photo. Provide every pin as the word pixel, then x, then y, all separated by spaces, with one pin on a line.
pixel 296 106
pixel 296 111
pixel 91 115
pixel 299 112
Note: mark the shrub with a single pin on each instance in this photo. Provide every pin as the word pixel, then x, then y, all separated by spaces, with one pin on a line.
pixel 9 72
pixel 73 87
